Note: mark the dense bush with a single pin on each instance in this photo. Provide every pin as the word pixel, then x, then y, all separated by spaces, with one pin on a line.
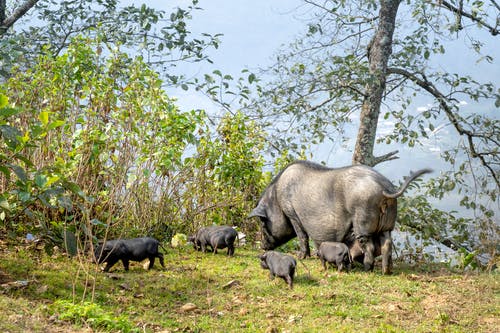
pixel 95 147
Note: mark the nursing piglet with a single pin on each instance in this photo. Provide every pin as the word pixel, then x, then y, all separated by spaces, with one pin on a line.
pixel 335 253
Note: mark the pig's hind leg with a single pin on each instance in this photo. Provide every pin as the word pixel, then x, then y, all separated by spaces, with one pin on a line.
pixel 160 257
pixel 125 264
pixel 230 250
pixel 289 280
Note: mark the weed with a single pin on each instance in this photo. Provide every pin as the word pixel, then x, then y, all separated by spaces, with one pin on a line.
pixel 91 315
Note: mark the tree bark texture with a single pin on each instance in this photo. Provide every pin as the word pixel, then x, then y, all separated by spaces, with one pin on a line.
pixel 379 51
pixel 7 22
pixel 3 11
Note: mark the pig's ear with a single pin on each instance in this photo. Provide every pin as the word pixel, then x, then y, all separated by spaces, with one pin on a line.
pixel 259 211
pixel 262 256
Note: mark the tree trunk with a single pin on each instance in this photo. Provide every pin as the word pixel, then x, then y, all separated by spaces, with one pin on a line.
pixel 379 51
pixel 3 11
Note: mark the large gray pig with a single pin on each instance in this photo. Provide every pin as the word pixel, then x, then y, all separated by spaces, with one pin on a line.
pixel 135 249
pixel 311 201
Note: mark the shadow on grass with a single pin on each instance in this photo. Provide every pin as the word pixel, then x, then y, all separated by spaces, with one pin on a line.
pixel 417 268
pixel 306 280
pixel 426 269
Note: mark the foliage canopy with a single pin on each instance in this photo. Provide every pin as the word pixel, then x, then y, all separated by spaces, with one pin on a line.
pixel 91 140
pixel 365 64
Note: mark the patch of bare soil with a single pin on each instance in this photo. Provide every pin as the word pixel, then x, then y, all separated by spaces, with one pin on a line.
pixel 443 303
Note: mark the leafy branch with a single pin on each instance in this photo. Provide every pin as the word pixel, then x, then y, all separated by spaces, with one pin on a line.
pixel 450 111
pixel 472 16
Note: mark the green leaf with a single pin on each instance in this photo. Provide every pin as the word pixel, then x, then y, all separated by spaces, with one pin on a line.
pixel 55 124
pixel 4 100
pixel 37 131
pixel 4 203
pixel 24 196
pixel 98 223
pixel 74 188
pixel 5 171
pixel 7 112
pixel 24 159
pixel 20 172
pixel 40 180
pixel 51 180
pixel 10 135
pixel 44 117
pixel 65 202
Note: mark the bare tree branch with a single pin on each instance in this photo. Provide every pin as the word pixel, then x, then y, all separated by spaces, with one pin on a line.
pixel 443 102
pixel 385 157
pixel 495 4
pixel 16 15
pixel 493 30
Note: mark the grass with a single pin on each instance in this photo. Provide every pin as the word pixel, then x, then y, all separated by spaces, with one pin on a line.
pixel 213 293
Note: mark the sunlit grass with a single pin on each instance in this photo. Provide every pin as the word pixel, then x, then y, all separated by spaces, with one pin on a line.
pixel 205 292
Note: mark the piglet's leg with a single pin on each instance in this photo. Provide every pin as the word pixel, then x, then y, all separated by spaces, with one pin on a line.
pixel 340 266
pixel 109 264
pixel 324 263
pixel 151 262
pixel 125 264
pixel 160 256
pixel 289 280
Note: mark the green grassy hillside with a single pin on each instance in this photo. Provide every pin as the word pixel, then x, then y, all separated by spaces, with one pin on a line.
pixel 213 293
